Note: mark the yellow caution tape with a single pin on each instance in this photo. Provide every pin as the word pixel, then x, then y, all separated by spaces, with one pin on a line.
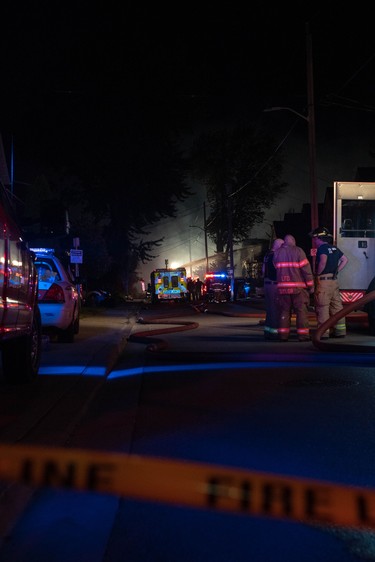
pixel 190 484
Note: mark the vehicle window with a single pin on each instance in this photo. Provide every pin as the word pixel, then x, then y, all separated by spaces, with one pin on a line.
pixel 47 271
pixel 358 218
pixel 15 265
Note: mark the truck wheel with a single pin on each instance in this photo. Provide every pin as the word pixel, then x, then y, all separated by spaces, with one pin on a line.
pixel 21 355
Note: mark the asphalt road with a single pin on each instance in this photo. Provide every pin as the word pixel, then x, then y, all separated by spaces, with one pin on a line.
pixel 195 387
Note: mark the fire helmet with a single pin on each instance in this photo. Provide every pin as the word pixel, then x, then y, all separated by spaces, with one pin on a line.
pixel 320 231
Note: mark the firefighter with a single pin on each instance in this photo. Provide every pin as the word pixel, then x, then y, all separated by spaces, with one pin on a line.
pixel 198 290
pixel 271 324
pixel 328 262
pixel 294 282
pixel 191 289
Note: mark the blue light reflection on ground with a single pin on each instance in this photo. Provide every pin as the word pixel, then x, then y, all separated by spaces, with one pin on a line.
pixel 73 370
pixel 189 367
pixel 259 361
pixel 257 364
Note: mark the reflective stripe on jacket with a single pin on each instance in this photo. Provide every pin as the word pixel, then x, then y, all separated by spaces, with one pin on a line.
pixel 293 269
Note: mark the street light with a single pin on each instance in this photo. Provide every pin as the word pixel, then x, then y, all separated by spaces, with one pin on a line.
pixel 286 109
pixel 310 118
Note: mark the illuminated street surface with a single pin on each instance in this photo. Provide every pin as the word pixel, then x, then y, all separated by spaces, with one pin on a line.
pixel 216 394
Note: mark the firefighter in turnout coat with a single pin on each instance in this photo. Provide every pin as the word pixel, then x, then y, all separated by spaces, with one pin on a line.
pixel 271 324
pixel 294 283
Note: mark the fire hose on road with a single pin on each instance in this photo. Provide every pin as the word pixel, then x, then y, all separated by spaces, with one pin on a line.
pixel 156 344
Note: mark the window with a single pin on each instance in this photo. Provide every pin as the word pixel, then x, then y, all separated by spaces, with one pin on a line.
pixel 358 218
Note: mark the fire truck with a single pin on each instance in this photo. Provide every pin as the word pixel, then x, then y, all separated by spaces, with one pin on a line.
pixel 168 284
pixel 354 234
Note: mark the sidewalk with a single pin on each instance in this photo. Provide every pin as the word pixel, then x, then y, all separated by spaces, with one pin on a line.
pixel 97 351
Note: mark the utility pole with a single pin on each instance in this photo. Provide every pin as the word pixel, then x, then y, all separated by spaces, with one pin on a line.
pixel 230 239
pixel 12 166
pixel 191 271
pixel 311 126
pixel 312 149
pixel 310 118
pixel 205 234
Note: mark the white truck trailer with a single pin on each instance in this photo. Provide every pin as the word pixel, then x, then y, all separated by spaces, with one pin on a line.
pixel 354 234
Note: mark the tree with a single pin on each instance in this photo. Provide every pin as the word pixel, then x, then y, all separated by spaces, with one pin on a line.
pixel 132 184
pixel 142 178
pixel 58 199
pixel 241 174
pixel 117 177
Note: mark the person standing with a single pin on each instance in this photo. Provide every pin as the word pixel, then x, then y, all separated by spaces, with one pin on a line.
pixel 328 262
pixel 294 282
pixel 198 288
pixel 271 324
pixel 191 289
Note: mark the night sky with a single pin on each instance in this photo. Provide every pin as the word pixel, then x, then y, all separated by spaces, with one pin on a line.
pixel 75 76
pixel 70 70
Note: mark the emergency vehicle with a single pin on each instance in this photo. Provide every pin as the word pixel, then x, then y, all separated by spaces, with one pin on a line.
pixel 354 234
pixel 217 287
pixel 169 284
pixel 20 319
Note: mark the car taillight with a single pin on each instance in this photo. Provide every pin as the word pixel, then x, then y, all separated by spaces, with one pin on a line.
pixel 54 294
